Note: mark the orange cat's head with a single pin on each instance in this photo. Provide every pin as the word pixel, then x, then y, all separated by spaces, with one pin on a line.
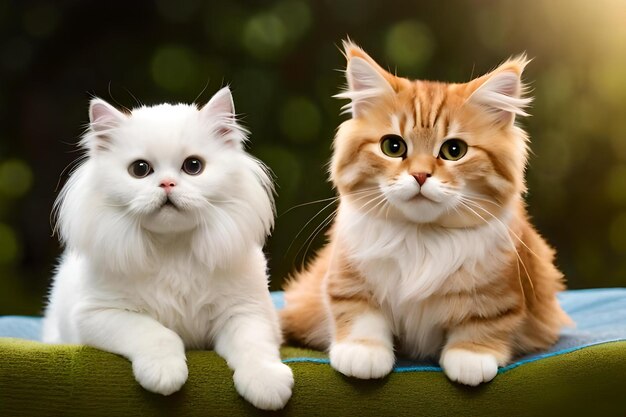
pixel 430 152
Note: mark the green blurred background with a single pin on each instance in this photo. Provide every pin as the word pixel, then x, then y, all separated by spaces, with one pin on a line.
pixel 282 60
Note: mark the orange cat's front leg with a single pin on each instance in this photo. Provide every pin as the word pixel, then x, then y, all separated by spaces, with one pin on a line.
pixel 476 348
pixel 362 341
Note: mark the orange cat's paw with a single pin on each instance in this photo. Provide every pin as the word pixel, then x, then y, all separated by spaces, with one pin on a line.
pixel 360 360
pixel 469 368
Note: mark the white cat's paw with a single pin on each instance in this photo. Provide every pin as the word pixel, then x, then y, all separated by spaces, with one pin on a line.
pixel 163 375
pixel 162 368
pixel 266 385
pixel 469 368
pixel 360 360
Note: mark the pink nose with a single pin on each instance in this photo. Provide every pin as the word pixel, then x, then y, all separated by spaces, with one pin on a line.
pixel 421 177
pixel 167 185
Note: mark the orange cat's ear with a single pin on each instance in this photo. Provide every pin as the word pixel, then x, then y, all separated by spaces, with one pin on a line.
pixel 367 81
pixel 501 92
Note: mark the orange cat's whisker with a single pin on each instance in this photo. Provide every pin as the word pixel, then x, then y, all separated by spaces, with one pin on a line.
pixel 309 203
pixel 511 231
pixel 382 200
pixel 508 236
pixel 367 192
pixel 314 234
pixel 309 222
pixel 519 278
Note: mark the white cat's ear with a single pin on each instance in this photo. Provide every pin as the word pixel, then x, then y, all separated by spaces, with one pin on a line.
pixel 103 116
pixel 221 104
pixel 102 119
pixel 366 80
pixel 501 92
pixel 219 112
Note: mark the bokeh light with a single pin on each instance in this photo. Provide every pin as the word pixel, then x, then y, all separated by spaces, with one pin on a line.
pixel 9 247
pixel 178 11
pixel 616 187
pixel 175 68
pixel 617 237
pixel 264 35
pixel 16 178
pixel 409 45
pixel 300 120
pixel 287 168
pixel 268 34
pixel 283 63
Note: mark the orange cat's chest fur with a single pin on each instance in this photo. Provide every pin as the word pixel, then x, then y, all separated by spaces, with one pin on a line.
pixel 422 276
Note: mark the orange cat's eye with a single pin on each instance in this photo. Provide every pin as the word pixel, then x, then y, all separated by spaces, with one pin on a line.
pixel 453 150
pixel 393 146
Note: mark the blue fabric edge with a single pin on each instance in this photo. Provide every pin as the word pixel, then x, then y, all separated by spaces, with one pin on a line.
pixel 427 368
pixel 435 368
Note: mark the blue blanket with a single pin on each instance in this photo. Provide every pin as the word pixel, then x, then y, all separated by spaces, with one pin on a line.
pixel 600 316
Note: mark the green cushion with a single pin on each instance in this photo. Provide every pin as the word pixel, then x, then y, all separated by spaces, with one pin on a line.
pixel 66 380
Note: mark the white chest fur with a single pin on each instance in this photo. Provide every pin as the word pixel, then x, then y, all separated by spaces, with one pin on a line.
pixel 179 291
pixel 404 264
pixel 183 296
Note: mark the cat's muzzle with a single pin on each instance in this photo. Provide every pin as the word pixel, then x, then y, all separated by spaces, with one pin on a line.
pixel 169 203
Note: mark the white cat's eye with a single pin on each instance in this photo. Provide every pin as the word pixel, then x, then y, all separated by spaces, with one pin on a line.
pixel 140 169
pixel 393 146
pixel 453 150
pixel 193 165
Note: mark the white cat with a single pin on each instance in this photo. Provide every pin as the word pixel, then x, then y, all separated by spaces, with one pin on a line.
pixel 164 223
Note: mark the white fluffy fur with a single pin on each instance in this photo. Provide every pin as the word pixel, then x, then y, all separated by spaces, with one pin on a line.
pixel 373 360
pixel 145 280
pixel 404 263
pixel 360 360
pixel 469 368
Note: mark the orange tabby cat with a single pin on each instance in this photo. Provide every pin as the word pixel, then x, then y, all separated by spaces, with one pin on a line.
pixel 432 253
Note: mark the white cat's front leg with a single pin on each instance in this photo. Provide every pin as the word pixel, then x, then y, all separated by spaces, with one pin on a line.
pixel 156 352
pixel 249 342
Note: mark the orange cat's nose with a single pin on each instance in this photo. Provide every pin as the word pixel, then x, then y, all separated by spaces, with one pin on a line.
pixel 421 177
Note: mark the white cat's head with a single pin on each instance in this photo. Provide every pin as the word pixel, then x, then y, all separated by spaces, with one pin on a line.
pixel 167 170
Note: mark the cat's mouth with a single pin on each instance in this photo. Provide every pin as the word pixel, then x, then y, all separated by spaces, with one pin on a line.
pixel 168 203
pixel 421 197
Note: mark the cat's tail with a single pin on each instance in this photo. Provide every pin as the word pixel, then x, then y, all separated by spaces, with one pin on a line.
pixel 304 319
